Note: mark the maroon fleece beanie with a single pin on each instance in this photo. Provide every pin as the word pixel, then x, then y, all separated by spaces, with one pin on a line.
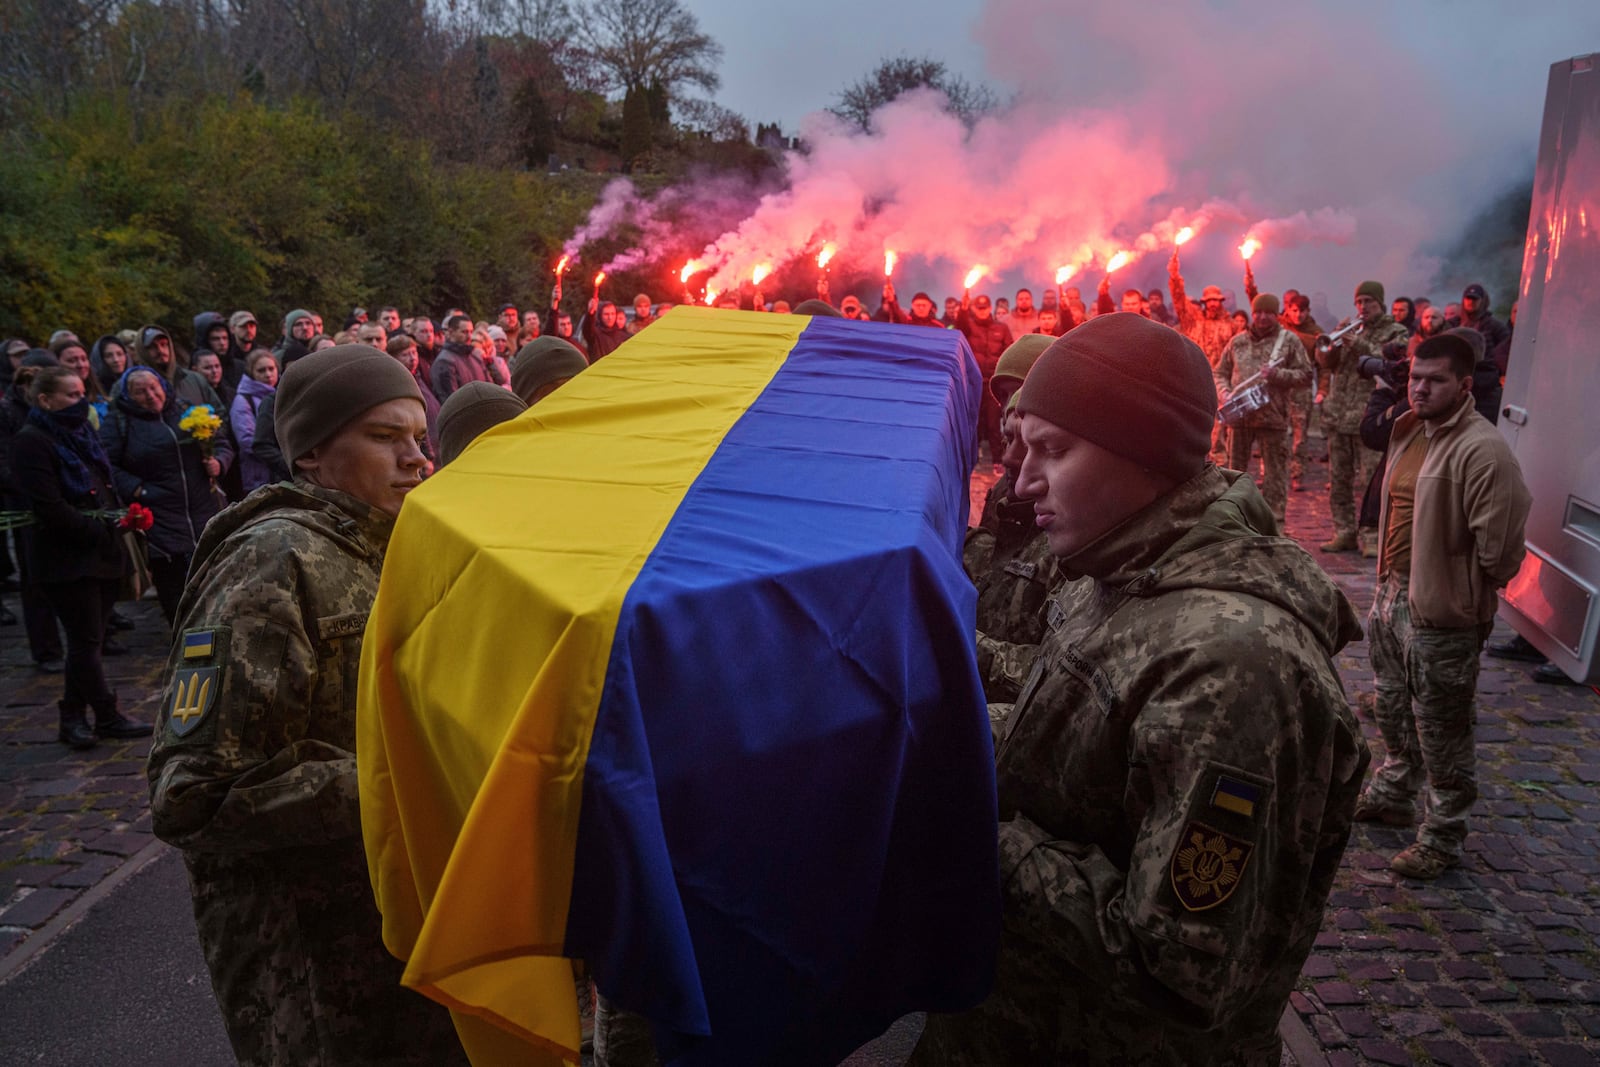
pixel 1133 387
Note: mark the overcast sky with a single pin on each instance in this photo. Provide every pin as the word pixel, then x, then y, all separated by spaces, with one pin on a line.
pixel 779 66
pixel 1405 116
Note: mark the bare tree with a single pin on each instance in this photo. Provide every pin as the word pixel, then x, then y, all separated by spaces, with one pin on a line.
pixel 895 77
pixel 642 41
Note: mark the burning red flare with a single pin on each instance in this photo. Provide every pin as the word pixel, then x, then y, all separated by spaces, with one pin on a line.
pixel 890 258
pixel 562 266
pixel 973 275
pixel 1184 236
pixel 598 278
pixel 1250 247
pixel 759 275
pixel 825 255
pixel 711 297
pixel 1118 261
pixel 1064 273
pixel 688 268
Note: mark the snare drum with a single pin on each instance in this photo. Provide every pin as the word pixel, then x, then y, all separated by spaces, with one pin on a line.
pixel 1244 403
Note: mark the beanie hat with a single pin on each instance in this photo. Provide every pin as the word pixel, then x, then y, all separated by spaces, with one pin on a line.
pixel 468 412
pixel 1265 302
pixel 1133 387
pixel 1372 289
pixel 817 307
pixel 239 318
pixel 1475 292
pixel 320 393
pixel 922 296
pixel 496 333
pixel 293 317
pixel 542 361
pixel 1019 357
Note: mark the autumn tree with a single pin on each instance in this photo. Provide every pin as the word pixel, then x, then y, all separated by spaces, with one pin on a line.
pixel 638 42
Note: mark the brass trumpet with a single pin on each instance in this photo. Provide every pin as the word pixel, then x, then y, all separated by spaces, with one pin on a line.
pixel 1329 341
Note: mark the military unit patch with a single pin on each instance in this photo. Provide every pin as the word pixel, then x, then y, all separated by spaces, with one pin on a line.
pixel 1207 866
pixel 194 693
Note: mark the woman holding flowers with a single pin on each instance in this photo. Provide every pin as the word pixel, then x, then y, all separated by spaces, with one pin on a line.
pixel 166 456
pixel 66 478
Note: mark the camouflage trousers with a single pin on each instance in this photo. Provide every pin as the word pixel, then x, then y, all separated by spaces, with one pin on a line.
pixel 1299 428
pixel 621 1038
pixel 1350 467
pixel 1274 446
pixel 1427 682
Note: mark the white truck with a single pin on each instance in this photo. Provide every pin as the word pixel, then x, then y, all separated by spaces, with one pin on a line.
pixel 1551 404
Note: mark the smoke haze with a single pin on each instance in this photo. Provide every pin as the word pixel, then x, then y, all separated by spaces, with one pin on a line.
pixel 1352 140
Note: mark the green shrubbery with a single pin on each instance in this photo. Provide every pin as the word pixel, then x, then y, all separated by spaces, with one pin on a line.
pixel 105 222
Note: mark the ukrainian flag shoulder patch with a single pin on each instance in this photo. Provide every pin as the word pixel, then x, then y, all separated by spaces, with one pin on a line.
pixel 1236 796
pixel 199 644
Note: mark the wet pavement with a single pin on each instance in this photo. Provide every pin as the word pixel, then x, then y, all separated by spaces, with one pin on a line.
pixel 1496 963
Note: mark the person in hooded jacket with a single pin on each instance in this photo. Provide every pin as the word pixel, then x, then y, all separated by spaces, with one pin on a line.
pixel 602 329
pixel 165 468
pixel 212 334
pixel 259 383
pixel 1178 778
pixel 299 327
pixel 108 359
pixel 154 349
pixel 63 474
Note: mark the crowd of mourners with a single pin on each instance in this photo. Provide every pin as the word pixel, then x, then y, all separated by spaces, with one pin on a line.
pixel 140 385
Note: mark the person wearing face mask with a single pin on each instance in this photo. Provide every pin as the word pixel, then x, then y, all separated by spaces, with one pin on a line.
pixel 65 476
pixel 1282 363
pixel 253 769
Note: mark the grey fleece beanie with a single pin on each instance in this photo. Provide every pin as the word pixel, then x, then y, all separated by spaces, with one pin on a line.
pixel 1133 387
pixel 541 361
pixel 321 392
pixel 468 412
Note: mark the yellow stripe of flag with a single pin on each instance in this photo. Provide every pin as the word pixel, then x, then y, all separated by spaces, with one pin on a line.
pixel 482 673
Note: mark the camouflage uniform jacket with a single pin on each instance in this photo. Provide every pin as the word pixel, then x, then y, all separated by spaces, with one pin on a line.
pixel 253 774
pixel 1176 785
pixel 1012 593
pixel 1346 402
pixel 1212 335
pixel 1246 355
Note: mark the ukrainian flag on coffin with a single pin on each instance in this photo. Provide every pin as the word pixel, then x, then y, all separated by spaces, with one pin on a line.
pixel 674 674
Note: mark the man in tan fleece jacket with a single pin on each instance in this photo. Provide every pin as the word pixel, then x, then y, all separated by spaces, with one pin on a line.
pixel 1450 535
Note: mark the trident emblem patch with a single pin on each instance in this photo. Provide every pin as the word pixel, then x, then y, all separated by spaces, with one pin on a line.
pixel 1208 866
pixel 194 692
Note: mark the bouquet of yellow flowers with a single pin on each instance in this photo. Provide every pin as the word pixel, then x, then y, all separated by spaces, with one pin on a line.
pixel 201 423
